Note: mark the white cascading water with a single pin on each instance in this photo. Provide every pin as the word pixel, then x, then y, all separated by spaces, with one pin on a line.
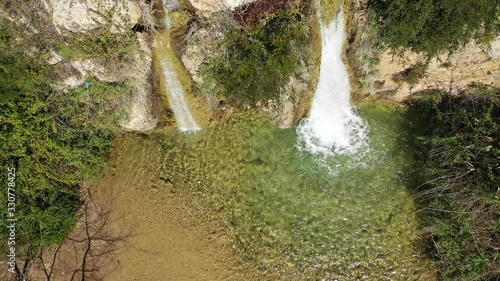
pixel 333 126
pixel 183 116
pixel 175 92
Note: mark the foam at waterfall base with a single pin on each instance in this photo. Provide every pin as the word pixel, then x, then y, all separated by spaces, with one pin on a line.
pixel 347 136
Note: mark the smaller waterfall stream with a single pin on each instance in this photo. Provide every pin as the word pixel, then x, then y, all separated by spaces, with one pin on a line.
pixel 174 89
pixel 183 116
pixel 333 126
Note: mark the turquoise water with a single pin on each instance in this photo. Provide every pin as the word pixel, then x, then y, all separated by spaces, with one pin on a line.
pixel 309 217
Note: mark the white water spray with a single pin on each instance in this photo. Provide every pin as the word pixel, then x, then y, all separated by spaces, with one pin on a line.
pixel 333 126
pixel 175 92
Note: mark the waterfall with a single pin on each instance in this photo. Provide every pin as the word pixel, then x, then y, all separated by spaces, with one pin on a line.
pixel 175 92
pixel 183 116
pixel 333 126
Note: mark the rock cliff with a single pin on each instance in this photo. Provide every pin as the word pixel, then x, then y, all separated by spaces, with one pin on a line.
pixel 375 70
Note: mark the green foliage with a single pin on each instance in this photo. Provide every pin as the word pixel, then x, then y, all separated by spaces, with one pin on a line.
pixel 462 171
pixel 255 64
pixel 54 140
pixel 99 44
pixel 435 26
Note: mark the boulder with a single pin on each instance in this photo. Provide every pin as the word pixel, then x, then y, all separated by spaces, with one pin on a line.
pixel 81 16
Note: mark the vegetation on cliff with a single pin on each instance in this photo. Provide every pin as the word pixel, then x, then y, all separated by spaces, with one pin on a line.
pixel 99 44
pixel 435 26
pixel 461 170
pixel 254 62
pixel 54 139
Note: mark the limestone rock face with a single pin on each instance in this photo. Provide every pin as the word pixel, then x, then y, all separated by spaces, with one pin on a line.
pixel 141 62
pixel 292 103
pixel 141 116
pixel 211 6
pixel 82 16
pixel 473 64
pixel 54 58
pixel 198 48
pixel 295 98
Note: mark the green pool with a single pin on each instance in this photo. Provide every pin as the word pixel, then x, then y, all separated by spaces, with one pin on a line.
pixel 346 217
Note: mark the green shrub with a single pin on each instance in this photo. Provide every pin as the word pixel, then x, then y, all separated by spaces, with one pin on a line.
pixel 435 26
pixel 254 64
pixel 461 172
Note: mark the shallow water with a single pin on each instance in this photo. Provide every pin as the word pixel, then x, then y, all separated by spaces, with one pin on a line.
pixel 347 217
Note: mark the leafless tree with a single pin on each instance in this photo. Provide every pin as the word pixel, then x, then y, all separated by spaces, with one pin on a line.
pixel 89 251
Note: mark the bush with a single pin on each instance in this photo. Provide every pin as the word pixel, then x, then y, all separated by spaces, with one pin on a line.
pixel 250 14
pixel 254 64
pixel 461 171
pixel 435 26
